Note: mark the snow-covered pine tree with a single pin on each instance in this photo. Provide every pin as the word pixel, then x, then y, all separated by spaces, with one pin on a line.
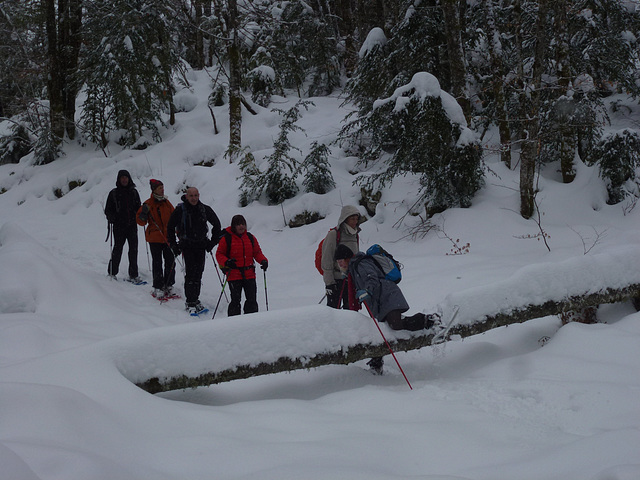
pixel 252 182
pixel 371 77
pixel 128 68
pixel 15 145
pixel 262 80
pixel 594 53
pixel 618 157
pixel 317 177
pixel 421 130
pixel 282 170
pixel 278 180
pixel 305 46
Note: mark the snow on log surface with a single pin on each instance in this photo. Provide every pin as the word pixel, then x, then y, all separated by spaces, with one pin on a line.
pixel 210 352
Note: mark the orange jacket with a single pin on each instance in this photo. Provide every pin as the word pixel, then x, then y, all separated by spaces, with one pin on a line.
pixel 159 213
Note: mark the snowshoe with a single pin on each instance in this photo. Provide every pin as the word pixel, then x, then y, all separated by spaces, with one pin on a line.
pixel 136 281
pixel 197 309
pixel 163 296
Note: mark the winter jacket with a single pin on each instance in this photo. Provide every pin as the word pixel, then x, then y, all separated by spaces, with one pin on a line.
pixel 159 213
pixel 122 203
pixel 329 265
pixel 385 295
pixel 188 225
pixel 244 249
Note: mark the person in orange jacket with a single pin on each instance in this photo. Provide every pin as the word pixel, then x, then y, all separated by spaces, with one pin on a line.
pixel 155 213
pixel 236 253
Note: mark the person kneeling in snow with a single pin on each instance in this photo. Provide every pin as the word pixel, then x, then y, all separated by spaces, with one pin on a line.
pixel 367 284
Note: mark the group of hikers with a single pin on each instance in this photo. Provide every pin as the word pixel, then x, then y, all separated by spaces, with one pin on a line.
pixel 182 230
pixel 352 278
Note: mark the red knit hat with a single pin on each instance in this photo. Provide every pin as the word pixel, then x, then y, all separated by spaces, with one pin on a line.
pixel 155 184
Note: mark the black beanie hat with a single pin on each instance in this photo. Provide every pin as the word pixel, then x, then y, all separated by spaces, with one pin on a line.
pixel 238 220
pixel 343 252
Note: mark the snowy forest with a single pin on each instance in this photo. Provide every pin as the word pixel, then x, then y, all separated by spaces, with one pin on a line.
pixel 538 71
pixel 493 147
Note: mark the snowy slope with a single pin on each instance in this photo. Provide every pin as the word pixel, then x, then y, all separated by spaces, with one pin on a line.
pixel 537 400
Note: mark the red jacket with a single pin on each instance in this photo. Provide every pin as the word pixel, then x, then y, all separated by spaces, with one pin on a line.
pixel 243 249
pixel 159 213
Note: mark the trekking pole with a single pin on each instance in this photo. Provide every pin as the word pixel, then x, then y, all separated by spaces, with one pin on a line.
pixel 323 297
pixel 164 238
pixel 110 237
pixel 388 346
pixel 219 298
pixel 266 297
pixel 215 264
pixel 147 246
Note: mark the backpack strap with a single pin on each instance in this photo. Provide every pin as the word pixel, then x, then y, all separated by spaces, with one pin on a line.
pixel 227 237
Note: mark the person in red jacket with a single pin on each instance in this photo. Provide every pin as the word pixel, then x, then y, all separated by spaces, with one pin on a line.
pixel 155 213
pixel 236 253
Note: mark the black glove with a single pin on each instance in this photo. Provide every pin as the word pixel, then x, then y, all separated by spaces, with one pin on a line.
pixel 231 263
pixel 175 248
pixel 264 264
pixel 210 245
pixel 144 213
pixel 332 290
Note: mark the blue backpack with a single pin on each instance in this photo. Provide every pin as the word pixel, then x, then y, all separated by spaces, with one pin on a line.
pixel 389 265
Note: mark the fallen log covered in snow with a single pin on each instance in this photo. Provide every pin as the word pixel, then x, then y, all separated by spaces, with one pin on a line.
pixel 305 338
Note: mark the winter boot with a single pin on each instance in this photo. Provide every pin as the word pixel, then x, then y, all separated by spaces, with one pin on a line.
pixel 431 320
pixel 194 308
pixel 375 365
pixel 415 322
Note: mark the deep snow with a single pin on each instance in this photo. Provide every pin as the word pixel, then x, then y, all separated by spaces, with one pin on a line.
pixel 531 401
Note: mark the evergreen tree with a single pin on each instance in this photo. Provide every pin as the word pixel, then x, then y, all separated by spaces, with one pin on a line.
pixel 318 178
pixel 421 130
pixel 128 69
pixel 305 46
pixel 278 181
pixel 262 80
pixel 618 158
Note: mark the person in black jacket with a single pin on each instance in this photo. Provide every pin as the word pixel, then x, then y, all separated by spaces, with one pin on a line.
pixel 187 234
pixel 121 207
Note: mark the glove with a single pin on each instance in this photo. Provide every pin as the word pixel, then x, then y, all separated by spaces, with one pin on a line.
pixel 229 264
pixel 175 248
pixel 264 264
pixel 144 213
pixel 363 296
pixel 332 290
pixel 210 245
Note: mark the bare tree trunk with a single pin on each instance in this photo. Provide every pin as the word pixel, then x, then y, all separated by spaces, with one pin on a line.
pixel 530 146
pixel 498 83
pixel 457 65
pixel 70 43
pixel 55 78
pixel 565 107
pixel 199 47
pixel 235 95
pixel 345 11
pixel 63 26
pixel 208 56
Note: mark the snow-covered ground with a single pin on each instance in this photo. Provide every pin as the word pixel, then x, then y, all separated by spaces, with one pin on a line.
pixel 531 401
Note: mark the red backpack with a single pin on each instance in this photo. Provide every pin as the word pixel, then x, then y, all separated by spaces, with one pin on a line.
pixel 319 250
